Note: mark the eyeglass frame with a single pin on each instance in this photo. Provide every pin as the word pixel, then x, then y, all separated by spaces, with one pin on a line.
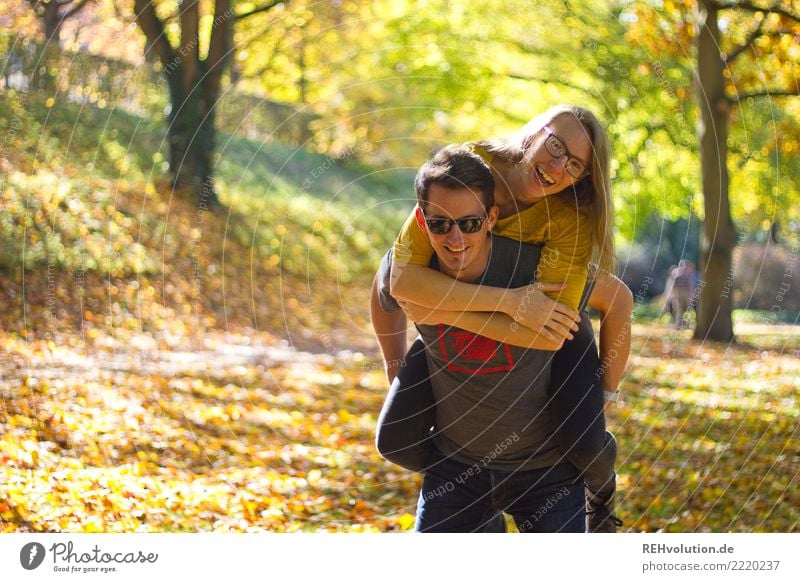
pixel 551 135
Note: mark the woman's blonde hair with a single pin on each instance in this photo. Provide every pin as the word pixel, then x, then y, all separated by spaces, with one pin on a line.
pixel 592 193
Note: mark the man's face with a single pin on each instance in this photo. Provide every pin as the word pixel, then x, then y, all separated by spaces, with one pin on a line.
pixel 461 255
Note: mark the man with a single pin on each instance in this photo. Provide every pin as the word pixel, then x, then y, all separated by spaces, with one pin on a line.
pixel 494 449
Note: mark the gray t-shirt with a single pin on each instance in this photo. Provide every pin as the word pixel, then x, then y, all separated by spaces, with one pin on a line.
pixel 490 396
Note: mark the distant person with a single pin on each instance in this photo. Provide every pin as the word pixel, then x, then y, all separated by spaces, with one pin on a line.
pixel 680 288
pixel 666 297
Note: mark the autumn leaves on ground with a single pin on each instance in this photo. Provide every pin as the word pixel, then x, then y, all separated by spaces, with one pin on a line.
pixel 165 369
pixel 239 436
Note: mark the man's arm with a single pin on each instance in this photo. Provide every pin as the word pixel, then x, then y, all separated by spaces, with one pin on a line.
pixel 614 300
pixel 497 326
pixel 390 329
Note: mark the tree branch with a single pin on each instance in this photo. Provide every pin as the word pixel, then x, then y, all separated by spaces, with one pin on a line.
pixel 765 93
pixel 775 9
pixel 731 56
pixel 265 8
pixel 153 30
pixel 558 81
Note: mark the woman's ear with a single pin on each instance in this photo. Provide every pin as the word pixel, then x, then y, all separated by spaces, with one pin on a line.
pixel 420 216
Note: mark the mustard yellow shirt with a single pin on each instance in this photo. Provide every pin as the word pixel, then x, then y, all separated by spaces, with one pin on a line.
pixel 555 222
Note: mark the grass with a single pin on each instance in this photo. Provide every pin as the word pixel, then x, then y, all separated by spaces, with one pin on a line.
pixel 85 200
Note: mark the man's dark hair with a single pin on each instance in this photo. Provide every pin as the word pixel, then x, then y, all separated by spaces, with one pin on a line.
pixel 455 167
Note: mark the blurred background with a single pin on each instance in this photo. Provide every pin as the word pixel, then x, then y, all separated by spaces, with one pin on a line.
pixel 194 197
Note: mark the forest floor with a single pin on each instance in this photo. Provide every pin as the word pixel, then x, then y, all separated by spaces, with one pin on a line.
pixel 247 433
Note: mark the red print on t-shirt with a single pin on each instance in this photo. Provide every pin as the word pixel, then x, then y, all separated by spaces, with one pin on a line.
pixel 465 351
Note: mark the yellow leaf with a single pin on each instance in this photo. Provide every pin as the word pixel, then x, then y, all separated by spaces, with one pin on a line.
pixel 406 521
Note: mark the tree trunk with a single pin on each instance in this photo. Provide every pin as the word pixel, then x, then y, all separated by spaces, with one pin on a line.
pixel 43 78
pixel 192 139
pixel 714 315
pixel 52 22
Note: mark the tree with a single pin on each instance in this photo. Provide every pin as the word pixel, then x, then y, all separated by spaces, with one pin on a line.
pixel 194 82
pixel 718 241
pixel 731 56
pixel 53 13
pixel 386 80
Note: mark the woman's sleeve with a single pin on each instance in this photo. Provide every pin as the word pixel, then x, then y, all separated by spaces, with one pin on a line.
pixel 565 255
pixel 412 246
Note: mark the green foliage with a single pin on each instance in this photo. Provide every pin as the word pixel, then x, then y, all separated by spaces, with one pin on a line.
pixel 308 213
pixel 59 217
pixel 69 225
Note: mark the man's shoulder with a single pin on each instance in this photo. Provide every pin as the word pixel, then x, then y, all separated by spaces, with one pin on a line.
pixel 385 299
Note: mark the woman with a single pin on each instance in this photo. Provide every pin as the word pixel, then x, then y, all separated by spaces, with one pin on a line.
pixel 552 188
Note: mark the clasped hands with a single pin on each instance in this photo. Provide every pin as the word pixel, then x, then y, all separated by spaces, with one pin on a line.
pixel 528 306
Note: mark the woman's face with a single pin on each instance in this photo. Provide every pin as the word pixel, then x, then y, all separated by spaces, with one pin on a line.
pixel 554 157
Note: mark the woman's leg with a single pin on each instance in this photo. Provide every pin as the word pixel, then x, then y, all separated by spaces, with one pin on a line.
pixel 577 404
pixel 403 435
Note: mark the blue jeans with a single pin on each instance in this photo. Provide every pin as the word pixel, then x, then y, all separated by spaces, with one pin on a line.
pixel 469 498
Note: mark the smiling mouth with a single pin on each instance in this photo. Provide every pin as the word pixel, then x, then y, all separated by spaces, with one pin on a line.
pixel 544 177
pixel 456 249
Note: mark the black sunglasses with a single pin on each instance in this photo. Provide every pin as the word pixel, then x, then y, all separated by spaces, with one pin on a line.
pixel 467 225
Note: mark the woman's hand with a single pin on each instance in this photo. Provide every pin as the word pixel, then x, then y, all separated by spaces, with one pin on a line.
pixel 529 306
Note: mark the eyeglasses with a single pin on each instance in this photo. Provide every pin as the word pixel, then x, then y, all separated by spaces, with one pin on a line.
pixel 556 148
pixel 467 225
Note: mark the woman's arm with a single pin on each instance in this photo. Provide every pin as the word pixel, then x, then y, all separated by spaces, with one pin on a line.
pixel 412 280
pixel 390 329
pixel 529 305
pixel 497 326
pixel 564 231
pixel 614 300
